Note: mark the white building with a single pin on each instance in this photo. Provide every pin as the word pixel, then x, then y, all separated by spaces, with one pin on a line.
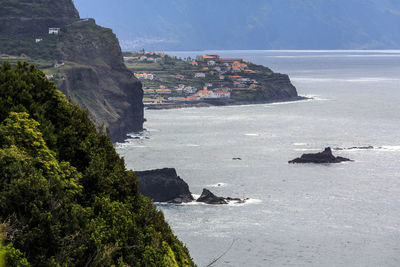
pixel 54 31
pixel 38 40
pixel 190 90
pixel 200 75
pixel 222 94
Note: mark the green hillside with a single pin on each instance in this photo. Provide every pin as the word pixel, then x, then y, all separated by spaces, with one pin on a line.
pixel 66 198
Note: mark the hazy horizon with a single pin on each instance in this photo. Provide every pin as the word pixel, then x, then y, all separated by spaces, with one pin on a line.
pixel 184 25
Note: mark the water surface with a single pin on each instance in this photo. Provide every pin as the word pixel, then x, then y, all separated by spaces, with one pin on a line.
pixel 299 215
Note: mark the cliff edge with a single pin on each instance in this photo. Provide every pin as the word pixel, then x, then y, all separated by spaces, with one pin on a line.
pixel 84 58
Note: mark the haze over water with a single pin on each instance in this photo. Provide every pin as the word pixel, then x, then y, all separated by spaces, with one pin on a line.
pixel 299 215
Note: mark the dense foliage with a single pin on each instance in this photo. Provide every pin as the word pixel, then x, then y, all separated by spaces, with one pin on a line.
pixel 66 198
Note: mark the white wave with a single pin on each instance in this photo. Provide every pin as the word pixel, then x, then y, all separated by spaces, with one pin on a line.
pixel 152 130
pixel 192 145
pixel 389 148
pixel 217 185
pixel 314 98
pixel 299 144
pixel 252 134
pixel 307 149
pixel 250 201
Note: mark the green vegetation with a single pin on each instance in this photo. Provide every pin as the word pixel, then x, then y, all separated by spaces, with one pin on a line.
pixel 46 49
pixel 66 198
pixel 244 80
pixel 38 8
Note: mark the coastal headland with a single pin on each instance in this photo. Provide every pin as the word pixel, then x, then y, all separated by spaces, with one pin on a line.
pixel 170 81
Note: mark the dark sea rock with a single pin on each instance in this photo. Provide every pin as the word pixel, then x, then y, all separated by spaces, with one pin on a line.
pixel 209 198
pixel 322 157
pixel 164 185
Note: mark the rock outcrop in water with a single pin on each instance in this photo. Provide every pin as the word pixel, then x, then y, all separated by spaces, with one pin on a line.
pixel 164 185
pixel 90 72
pixel 209 198
pixel 322 157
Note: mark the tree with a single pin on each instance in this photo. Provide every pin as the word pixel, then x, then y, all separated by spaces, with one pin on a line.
pixel 66 197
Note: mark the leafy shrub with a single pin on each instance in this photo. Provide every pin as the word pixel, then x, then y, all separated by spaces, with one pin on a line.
pixel 66 198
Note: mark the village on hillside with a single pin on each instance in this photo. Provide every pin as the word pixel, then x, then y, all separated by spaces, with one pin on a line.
pixel 169 79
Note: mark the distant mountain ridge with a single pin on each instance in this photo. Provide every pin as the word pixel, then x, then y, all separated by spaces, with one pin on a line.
pixel 257 24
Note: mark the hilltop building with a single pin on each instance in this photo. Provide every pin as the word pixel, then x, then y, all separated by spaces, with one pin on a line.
pixel 54 31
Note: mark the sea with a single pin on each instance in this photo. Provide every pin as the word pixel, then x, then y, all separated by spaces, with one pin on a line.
pixel 345 214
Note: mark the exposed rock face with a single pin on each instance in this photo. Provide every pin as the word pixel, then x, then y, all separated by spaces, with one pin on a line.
pixel 322 157
pixel 276 86
pixel 98 80
pixel 164 185
pixel 210 198
pixel 94 76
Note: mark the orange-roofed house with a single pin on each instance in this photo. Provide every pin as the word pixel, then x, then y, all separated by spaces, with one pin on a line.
pixel 207 58
pixel 249 71
pixel 236 69
pixel 163 91
pixel 231 60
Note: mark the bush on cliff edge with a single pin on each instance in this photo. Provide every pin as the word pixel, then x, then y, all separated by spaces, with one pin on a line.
pixel 66 198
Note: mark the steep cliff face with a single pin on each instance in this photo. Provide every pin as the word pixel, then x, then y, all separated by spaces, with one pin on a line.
pixel 93 76
pixel 275 86
pixel 98 80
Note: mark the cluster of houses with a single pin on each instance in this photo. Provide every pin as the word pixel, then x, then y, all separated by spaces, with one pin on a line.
pixel 150 57
pixel 192 93
pixel 209 94
pixel 220 65
pixel 232 70
pixel 144 76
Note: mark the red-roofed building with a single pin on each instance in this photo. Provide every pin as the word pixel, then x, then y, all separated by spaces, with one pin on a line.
pixel 207 58
pixel 231 60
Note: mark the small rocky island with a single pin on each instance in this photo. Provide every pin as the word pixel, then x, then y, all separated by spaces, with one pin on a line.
pixel 325 156
pixel 209 198
pixel 164 185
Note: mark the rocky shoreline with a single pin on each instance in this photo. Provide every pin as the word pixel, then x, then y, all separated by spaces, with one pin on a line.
pixel 219 102
pixel 164 185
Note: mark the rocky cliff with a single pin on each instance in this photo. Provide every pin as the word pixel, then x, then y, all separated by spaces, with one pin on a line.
pixel 275 86
pixel 164 185
pixel 98 80
pixel 92 74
